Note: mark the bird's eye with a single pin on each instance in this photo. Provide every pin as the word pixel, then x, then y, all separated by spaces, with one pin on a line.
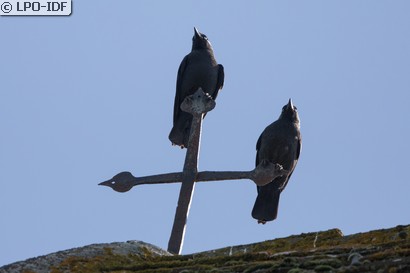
pixel 204 36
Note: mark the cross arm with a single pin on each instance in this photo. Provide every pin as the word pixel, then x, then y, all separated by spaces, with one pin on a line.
pixel 124 181
pixel 261 175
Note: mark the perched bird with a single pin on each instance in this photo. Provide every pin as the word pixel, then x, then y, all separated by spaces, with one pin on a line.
pixel 280 143
pixel 198 69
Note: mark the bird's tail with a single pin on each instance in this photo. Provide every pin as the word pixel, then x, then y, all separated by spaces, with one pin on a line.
pixel 267 203
pixel 179 134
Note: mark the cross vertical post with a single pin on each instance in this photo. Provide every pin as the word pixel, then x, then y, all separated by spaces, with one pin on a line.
pixel 197 107
pixel 189 174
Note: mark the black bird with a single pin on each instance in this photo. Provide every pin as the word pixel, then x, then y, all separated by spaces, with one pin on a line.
pixel 279 143
pixel 198 69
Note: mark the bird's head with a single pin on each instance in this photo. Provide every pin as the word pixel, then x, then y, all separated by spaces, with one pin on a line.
pixel 290 112
pixel 200 41
pixel 121 182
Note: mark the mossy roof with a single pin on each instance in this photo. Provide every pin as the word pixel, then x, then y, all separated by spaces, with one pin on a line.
pixel 385 250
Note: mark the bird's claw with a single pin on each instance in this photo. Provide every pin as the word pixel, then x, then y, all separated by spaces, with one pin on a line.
pixel 198 103
pixel 267 171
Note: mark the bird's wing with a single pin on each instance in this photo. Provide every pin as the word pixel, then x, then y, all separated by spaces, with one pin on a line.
pixel 258 145
pixel 180 76
pixel 219 81
pixel 299 148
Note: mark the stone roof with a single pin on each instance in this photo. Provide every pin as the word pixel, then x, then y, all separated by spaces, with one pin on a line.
pixel 385 250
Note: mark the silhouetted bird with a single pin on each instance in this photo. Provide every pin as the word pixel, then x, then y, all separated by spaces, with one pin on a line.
pixel 279 143
pixel 198 69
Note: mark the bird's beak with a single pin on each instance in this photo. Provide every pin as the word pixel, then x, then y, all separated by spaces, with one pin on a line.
pixel 290 105
pixel 197 33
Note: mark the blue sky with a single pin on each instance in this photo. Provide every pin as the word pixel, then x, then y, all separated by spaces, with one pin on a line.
pixel 90 95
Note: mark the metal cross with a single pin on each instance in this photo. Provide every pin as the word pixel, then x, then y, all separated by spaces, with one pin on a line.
pixel 197 104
